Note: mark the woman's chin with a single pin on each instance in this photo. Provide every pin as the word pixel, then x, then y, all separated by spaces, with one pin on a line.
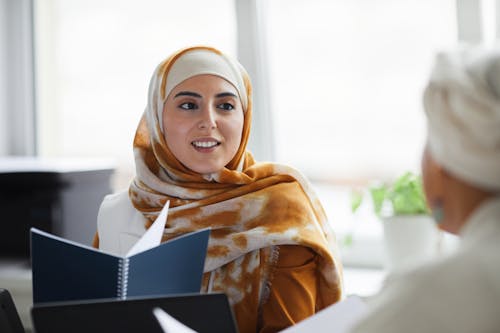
pixel 206 169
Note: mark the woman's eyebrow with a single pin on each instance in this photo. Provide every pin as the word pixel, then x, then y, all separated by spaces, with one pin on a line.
pixel 187 93
pixel 225 94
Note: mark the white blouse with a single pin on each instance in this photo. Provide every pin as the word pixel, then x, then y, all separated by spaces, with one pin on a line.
pixel 119 224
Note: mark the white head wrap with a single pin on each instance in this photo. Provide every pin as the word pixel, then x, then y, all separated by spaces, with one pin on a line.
pixel 201 61
pixel 462 103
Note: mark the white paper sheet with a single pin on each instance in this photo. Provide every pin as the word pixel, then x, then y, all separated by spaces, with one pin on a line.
pixel 337 318
pixel 169 324
pixel 152 236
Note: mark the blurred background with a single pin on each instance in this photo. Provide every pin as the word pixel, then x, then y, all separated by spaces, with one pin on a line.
pixel 337 95
pixel 337 84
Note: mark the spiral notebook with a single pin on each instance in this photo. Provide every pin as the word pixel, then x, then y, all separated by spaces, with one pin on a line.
pixel 64 270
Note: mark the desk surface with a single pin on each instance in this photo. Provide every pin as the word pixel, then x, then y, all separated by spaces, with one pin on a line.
pixel 62 165
pixel 363 281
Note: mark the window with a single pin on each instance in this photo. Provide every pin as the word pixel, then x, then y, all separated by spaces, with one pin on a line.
pixel 347 78
pixel 95 59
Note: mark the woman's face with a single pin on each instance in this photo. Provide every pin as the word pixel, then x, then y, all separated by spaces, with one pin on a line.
pixel 203 122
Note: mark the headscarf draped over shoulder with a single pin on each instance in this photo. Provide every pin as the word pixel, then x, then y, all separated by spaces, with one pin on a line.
pixel 249 206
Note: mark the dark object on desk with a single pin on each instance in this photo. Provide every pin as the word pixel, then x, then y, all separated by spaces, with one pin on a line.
pixel 57 196
pixel 9 318
pixel 204 313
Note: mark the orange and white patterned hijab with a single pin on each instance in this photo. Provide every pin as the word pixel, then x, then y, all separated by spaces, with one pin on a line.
pixel 250 207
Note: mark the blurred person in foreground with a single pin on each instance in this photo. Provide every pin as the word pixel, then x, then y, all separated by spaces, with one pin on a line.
pixel 461 175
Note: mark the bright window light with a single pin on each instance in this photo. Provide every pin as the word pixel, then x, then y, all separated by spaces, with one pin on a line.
pixel 347 80
pixel 95 59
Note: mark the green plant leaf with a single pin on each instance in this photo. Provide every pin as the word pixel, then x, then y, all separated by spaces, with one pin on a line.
pixel 378 194
pixel 356 200
pixel 348 240
pixel 406 195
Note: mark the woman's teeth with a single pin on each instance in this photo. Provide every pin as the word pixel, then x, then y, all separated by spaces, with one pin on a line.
pixel 204 144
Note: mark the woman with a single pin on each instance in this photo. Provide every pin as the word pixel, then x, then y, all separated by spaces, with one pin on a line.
pixel 461 174
pixel 271 249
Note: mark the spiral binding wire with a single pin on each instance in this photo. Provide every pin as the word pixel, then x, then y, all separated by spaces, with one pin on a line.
pixel 122 287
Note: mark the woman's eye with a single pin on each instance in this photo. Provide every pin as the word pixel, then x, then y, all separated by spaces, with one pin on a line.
pixel 188 106
pixel 226 106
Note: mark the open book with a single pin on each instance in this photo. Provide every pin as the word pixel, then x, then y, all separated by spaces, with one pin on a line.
pixel 64 270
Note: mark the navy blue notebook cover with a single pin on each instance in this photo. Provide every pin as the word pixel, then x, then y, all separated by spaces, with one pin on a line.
pixel 64 270
pixel 204 313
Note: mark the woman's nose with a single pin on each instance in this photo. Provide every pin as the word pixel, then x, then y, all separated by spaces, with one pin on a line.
pixel 208 118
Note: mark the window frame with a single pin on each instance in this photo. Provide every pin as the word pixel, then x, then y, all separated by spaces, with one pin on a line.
pixel 18 107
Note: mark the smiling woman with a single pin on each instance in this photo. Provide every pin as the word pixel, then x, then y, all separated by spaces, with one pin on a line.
pixel 271 248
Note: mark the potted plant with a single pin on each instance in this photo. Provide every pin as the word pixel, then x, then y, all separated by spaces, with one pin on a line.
pixel 410 235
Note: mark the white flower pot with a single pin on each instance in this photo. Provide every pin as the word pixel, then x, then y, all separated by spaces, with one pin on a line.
pixel 409 240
